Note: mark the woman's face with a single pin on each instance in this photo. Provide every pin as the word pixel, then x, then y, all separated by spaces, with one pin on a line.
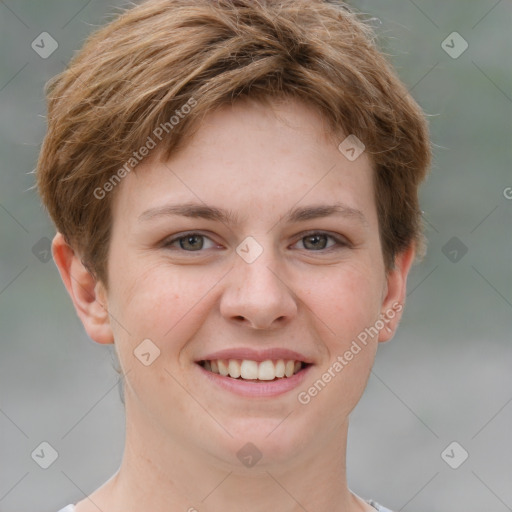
pixel 274 278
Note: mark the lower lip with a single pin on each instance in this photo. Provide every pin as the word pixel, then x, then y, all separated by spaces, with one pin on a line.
pixel 257 389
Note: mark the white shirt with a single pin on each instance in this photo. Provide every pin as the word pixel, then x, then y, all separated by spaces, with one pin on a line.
pixel 379 508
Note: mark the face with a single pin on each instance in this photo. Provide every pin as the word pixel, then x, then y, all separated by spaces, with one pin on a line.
pixel 276 256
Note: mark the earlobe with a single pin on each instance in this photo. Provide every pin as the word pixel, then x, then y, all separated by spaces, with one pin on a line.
pixel 395 293
pixel 88 295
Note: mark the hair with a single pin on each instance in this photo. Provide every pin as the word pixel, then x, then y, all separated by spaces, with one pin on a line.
pixel 139 72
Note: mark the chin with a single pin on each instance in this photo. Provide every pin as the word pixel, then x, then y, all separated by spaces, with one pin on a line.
pixel 261 442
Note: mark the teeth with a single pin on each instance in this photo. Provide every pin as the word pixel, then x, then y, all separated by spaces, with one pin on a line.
pixel 280 367
pixel 223 368
pixel 266 371
pixel 234 369
pixel 252 370
pixel 248 370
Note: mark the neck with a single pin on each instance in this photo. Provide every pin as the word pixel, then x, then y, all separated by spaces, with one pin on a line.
pixel 158 473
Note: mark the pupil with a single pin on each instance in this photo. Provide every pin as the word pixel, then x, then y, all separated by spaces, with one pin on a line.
pixel 316 238
pixel 190 240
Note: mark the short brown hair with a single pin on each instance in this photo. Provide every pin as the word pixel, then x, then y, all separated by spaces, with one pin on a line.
pixel 137 72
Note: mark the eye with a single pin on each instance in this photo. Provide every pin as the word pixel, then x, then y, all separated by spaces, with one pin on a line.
pixel 313 241
pixel 317 241
pixel 190 242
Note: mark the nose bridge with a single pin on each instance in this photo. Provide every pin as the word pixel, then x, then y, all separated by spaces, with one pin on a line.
pixel 257 265
pixel 257 293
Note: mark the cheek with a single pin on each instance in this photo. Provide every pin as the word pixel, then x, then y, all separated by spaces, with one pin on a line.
pixel 348 299
pixel 160 306
pixel 163 304
pixel 352 308
pixel 349 307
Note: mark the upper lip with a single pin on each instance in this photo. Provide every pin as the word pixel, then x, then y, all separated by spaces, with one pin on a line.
pixel 256 355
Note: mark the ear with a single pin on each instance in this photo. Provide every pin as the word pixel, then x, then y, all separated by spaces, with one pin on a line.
pixel 88 295
pixel 394 293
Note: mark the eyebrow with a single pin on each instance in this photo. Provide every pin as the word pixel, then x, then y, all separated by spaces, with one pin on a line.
pixel 299 214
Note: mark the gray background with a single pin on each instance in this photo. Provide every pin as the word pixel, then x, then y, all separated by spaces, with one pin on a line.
pixel 445 377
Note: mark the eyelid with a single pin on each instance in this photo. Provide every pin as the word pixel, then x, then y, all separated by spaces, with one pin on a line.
pixel 340 240
pixel 166 242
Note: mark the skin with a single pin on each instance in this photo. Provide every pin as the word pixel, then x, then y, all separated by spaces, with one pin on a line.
pixel 183 433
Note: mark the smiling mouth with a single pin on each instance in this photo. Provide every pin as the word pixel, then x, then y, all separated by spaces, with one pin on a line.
pixel 254 371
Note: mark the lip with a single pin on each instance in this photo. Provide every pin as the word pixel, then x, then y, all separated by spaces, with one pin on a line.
pixel 256 389
pixel 256 355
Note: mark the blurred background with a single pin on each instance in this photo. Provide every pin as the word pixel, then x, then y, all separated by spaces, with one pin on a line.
pixel 433 431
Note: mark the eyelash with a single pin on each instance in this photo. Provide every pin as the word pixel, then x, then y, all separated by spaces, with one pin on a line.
pixel 340 242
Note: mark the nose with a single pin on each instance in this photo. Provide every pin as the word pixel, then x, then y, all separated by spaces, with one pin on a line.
pixel 258 295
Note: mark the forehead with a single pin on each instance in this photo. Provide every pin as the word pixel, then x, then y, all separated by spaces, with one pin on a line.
pixel 252 159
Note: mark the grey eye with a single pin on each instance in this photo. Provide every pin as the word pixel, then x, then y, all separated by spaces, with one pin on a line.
pixel 316 241
pixel 192 242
